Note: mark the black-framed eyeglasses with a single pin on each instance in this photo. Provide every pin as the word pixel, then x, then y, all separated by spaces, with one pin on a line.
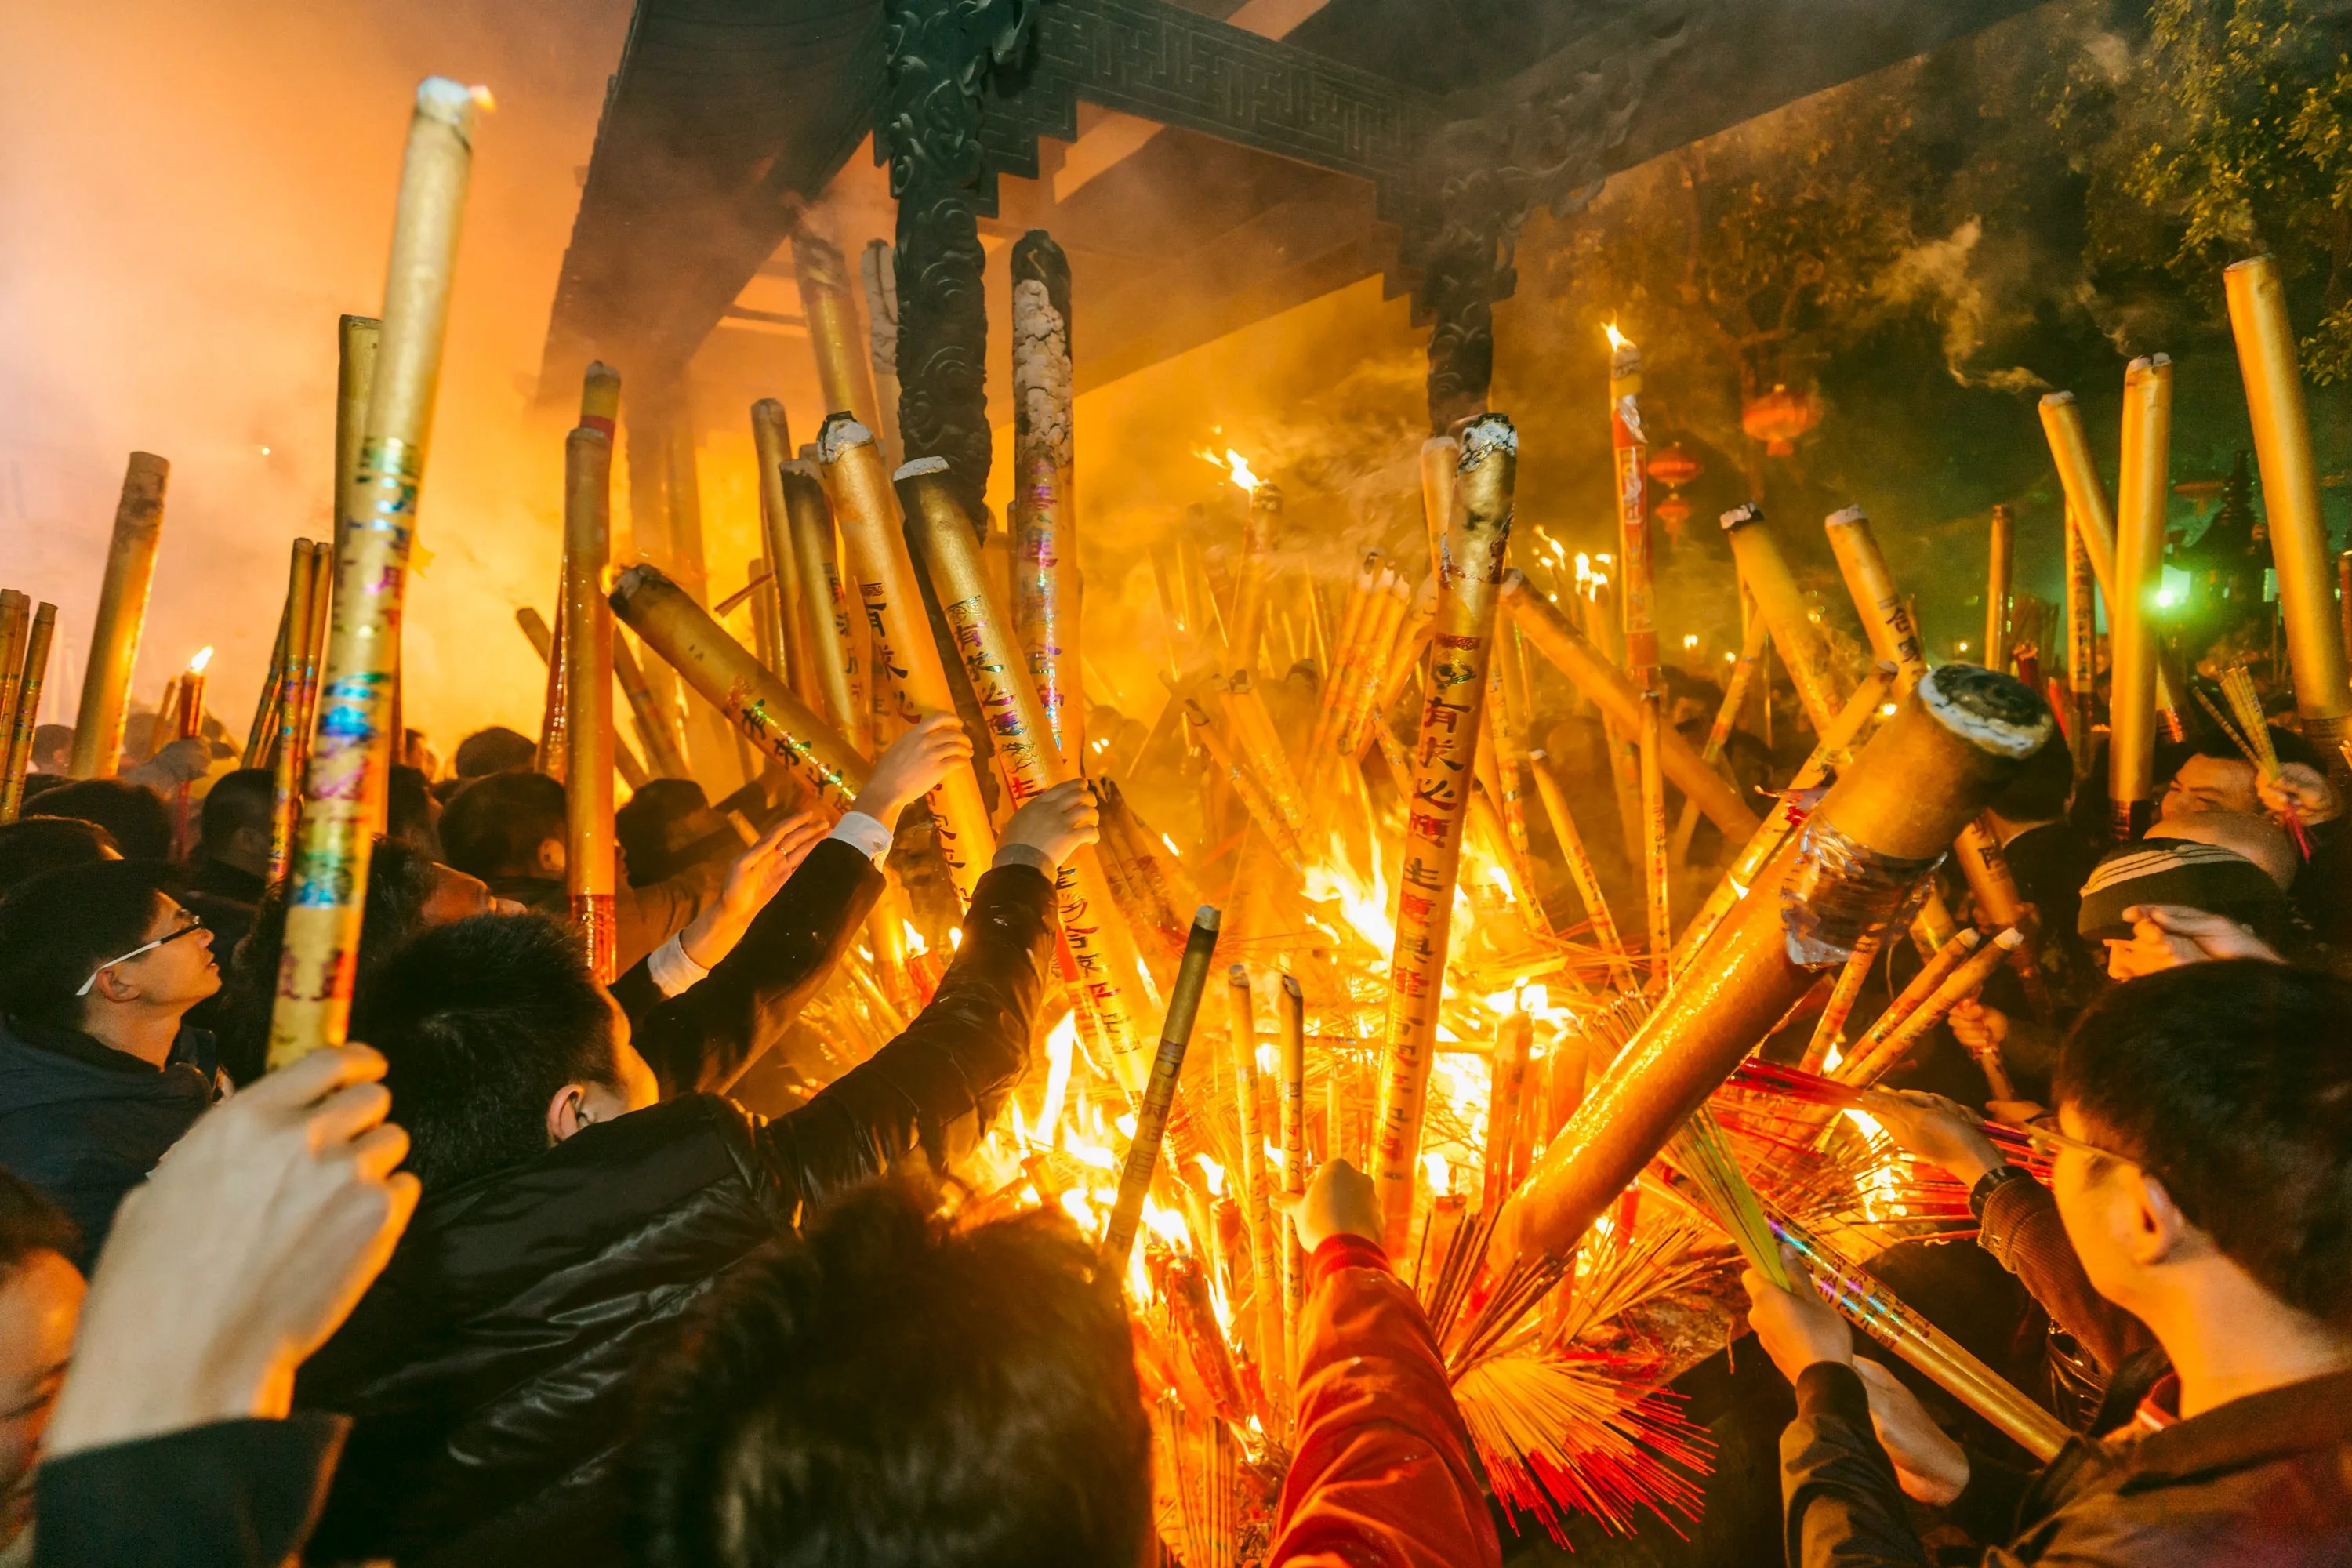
pixel 188 925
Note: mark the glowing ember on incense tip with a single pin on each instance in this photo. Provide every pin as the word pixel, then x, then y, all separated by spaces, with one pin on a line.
pixel 204 657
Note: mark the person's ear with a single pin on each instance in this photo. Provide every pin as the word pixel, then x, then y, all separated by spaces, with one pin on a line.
pixel 568 1112
pixel 2154 1228
pixel 114 986
pixel 551 857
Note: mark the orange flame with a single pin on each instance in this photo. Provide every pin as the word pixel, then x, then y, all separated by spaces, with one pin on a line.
pixel 1237 467
pixel 196 664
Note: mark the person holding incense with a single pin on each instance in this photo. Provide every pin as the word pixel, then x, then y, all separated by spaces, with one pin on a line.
pixel 99 1077
pixel 2205 1185
pixel 895 1392
pixel 563 1193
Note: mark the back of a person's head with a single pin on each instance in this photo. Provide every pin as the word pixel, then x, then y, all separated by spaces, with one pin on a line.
pixel 497 750
pixel 141 822
pixel 32 845
pixel 401 881
pixel 237 801
pixel 661 826
pixel 890 1394
pixel 30 1224
pixel 2038 791
pixel 481 1022
pixel 52 745
pixel 409 807
pixel 56 929
pixel 494 826
pixel 2230 1082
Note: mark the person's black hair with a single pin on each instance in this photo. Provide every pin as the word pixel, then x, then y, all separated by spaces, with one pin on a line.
pixel 889 1393
pixel 494 826
pixel 141 822
pixel 2038 792
pixel 2230 1082
pixel 401 882
pixel 52 741
pixel 56 929
pixel 651 829
pixel 32 845
pixel 481 1022
pixel 30 1223
pixel 408 808
pixel 237 801
pixel 497 750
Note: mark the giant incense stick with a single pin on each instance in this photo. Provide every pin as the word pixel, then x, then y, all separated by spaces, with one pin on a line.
pixel 17 754
pixel 1955 740
pixel 122 611
pixel 2082 643
pixel 1290 1009
pixel 16 628
pixel 732 678
pixel 264 730
pixel 2093 522
pixel 905 651
pixel 1045 601
pixel 877 267
pixel 2298 533
pixel 654 727
pixel 2141 496
pixel 287 754
pixel 1111 979
pixel 842 368
pixel 833 635
pixel 1765 572
pixel 1265 1263
pixel 350 767
pixel 1441 460
pixel 1966 978
pixel 1549 631
pixel 2000 551
pixel 772 450
pixel 588 839
pixel 1886 614
pixel 1475 549
pixel 1159 1092
pixel 1264 522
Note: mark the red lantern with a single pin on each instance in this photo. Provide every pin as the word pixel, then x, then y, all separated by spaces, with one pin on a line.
pixel 1780 418
pixel 1673 511
pixel 1674 468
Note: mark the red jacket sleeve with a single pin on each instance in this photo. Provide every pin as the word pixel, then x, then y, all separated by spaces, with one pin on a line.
pixel 1382 1478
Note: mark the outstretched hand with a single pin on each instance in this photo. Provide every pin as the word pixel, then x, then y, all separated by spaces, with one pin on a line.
pixel 752 881
pixel 1796 1328
pixel 1932 1128
pixel 1339 1200
pixel 249 1245
pixel 1055 822
pixel 2300 791
pixel 2166 936
pixel 911 766
pixel 1929 1465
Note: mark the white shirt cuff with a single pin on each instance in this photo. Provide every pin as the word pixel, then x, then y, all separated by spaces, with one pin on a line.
pixel 670 970
pixel 864 833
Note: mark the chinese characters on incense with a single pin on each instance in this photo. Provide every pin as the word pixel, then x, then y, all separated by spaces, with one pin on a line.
pixel 350 766
pixel 1444 757
pixel 1044 541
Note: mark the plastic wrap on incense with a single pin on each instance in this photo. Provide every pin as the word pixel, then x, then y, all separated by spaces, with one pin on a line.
pixel 1259 527
pixel 1565 833
pixel 772 447
pixel 2000 551
pixel 2082 643
pixel 1440 461
pixel 588 694
pixel 835 636
pixel 1726 719
pixel 2141 496
pixel 844 370
pixel 1885 616
pixel 1101 945
pixel 1257 1215
pixel 16 744
pixel 1159 1089
pixel 729 677
pixel 1965 979
pixel 286 748
pixel 1621 703
pixel 1875 1310
pixel 1043 518
pixel 2093 519
pixel 1476 548
pixel 877 267
pixel 1637 596
pixel 122 611
pixel 2298 535
pixel 1829 1030
pixel 905 651
pixel 1765 572
pixel 1290 1012
pixel 1953 742
pixel 351 764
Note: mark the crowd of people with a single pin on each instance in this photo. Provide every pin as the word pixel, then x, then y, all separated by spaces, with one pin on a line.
pixel 518 1281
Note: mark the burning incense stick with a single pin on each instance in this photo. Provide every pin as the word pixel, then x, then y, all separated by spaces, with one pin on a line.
pixel 16 756
pixel 2298 535
pixel 868 511
pixel 1044 602
pixel 1159 1092
pixel 588 694
pixel 349 772
pixel 1961 734
pixel 1885 617
pixel 1476 548
pixel 2141 497
pixel 1765 572
pixel 772 447
pixel 727 676
pixel 1110 976
pixel 1257 1219
pixel 2000 554
pixel 1264 522
pixel 122 611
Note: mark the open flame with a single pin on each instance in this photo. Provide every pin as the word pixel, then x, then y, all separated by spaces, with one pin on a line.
pixel 1237 467
pixel 196 664
pixel 1617 339
pixel 1364 901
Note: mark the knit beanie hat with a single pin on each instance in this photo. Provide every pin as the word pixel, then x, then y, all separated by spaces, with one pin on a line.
pixel 2177 871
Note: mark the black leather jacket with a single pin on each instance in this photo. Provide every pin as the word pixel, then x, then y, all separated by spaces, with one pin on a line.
pixel 488 1369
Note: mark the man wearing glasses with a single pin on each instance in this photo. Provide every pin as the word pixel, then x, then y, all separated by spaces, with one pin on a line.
pixel 98 1074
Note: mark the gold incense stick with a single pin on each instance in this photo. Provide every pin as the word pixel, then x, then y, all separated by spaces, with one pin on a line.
pixel 122 612
pixel 17 755
pixel 2141 498
pixel 588 865
pixel 1043 517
